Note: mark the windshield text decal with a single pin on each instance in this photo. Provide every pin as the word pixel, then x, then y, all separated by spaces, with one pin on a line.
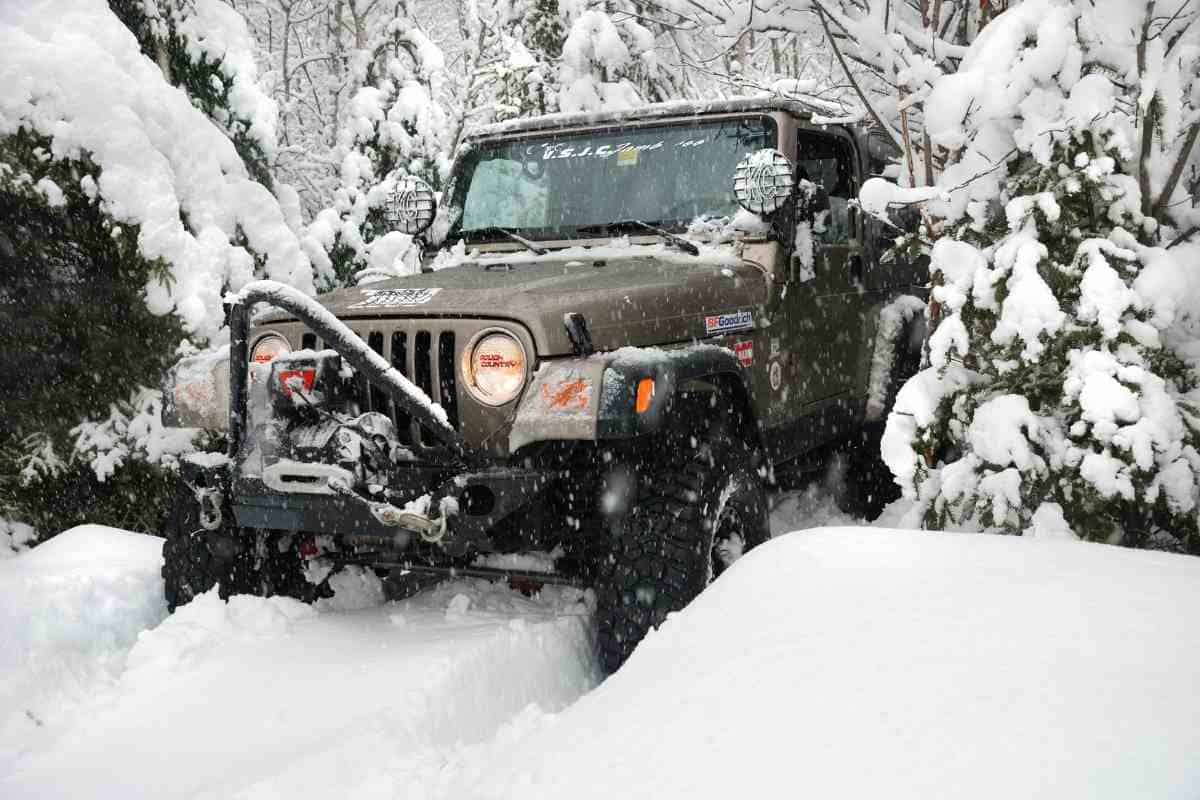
pixel 562 150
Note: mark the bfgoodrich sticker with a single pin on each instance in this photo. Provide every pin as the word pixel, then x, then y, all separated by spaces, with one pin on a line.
pixel 387 298
pixel 725 323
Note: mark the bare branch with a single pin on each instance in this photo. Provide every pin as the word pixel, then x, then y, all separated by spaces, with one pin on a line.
pixel 1177 170
pixel 850 77
pixel 1183 237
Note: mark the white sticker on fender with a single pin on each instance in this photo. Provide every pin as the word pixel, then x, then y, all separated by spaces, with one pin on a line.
pixel 387 298
pixel 726 323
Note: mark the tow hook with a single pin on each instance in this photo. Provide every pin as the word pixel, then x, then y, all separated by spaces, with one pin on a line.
pixel 209 499
pixel 429 529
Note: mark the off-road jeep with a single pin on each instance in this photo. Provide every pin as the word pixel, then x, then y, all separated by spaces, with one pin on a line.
pixel 625 328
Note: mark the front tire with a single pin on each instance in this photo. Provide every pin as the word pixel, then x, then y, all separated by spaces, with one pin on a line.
pixel 699 504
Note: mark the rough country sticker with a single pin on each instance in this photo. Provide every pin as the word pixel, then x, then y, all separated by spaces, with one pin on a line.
pixel 387 298
pixel 727 323
pixel 745 353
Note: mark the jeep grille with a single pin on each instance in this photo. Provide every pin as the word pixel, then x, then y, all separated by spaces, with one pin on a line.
pixel 424 353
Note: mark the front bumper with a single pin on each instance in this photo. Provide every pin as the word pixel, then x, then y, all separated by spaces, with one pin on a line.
pixel 471 502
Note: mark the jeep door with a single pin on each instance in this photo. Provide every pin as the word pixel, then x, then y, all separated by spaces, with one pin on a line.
pixel 821 306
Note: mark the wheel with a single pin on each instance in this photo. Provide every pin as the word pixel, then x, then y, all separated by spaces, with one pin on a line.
pixel 238 561
pixel 698 504
pixel 862 483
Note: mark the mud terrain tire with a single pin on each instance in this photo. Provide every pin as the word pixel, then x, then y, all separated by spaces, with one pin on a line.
pixel 866 486
pixel 696 498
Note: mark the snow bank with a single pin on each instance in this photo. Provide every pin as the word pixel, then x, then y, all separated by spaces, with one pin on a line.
pixel 271 698
pixel 15 537
pixel 70 609
pixel 857 663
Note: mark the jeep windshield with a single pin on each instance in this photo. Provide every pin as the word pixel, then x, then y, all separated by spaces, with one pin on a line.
pixel 588 183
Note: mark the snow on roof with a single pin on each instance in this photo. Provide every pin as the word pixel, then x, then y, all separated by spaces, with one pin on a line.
pixel 800 105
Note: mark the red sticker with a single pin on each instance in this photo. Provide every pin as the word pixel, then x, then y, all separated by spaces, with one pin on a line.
pixel 298 378
pixel 745 353
pixel 571 395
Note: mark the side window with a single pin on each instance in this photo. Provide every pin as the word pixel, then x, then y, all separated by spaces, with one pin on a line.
pixel 826 161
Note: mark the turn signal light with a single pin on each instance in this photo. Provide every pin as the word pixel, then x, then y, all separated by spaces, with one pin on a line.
pixel 645 393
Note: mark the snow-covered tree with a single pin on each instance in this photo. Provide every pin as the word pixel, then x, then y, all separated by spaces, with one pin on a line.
pixel 1062 386
pixel 609 60
pixel 395 127
pixel 131 206
pixel 530 41
pixel 1053 140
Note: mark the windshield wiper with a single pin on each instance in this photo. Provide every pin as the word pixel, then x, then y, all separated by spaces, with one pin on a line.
pixel 536 249
pixel 625 224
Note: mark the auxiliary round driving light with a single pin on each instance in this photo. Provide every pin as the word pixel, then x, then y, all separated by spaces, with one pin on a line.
pixel 410 206
pixel 763 182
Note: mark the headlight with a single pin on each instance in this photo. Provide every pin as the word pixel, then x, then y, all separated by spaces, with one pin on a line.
pixel 495 368
pixel 268 348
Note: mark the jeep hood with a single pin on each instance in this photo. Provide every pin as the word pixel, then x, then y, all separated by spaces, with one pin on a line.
pixel 637 299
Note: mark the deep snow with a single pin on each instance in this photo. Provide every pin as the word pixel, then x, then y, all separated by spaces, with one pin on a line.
pixel 839 662
pixel 858 663
pixel 255 698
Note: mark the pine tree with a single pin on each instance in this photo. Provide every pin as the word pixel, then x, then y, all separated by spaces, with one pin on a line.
pixel 395 127
pixel 609 61
pixel 87 310
pixel 1056 400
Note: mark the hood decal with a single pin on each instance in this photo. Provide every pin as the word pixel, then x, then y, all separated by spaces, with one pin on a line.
pixel 388 298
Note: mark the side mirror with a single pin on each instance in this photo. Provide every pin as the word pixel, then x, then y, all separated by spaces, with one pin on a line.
pixel 410 206
pixel 763 182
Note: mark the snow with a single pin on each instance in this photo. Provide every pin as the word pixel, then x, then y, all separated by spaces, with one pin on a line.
pixel 533 561
pixel 102 695
pixel 74 73
pixel 893 320
pixel 878 195
pixel 623 247
pixel 132 430
pixel 70 609
pixel 15 537
pixel 895 663
pixel 854 663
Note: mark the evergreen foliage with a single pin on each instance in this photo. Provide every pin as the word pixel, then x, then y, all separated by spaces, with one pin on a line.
pixel 1057 400
pixel 79 433
pixel 71 301
pixel 394 128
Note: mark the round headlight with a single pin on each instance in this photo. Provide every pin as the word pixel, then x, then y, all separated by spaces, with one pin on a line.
pixel 495 369
pixel 268 348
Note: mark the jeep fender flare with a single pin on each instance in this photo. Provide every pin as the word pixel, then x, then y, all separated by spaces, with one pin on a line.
pixel 596 398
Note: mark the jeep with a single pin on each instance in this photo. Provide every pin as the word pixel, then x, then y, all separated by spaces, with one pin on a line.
pixel 625 327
